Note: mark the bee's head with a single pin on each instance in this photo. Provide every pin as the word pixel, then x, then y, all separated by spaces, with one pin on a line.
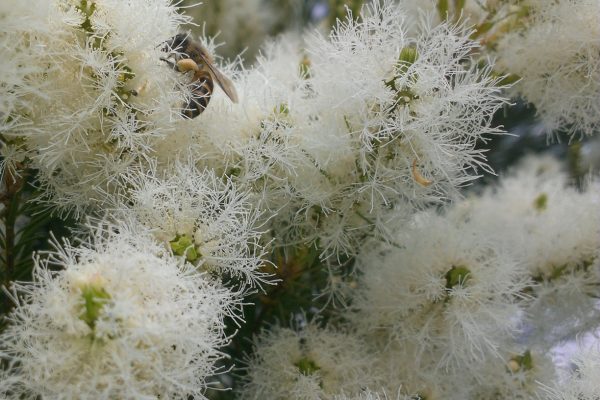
pixel 177 43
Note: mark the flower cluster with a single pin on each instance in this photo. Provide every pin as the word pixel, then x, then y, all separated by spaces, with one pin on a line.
pixel 362 121
pixel 552 230
pixel 346 152
pixel 116 317
pixel 551 48
pixel 469 303
pixel 556 53
pixel 309 363
pixel 84 91
pixel 582 383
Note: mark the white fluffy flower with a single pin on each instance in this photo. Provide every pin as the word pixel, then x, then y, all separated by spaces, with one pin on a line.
pixel 373 395
pixel 553 230
pixel 447 297
pixel 313 363
pixel 87 94
pixel 119 318
pixel 557 55
pixel 201 217
pixel 553 46
pixel 583 383
pixel 517 376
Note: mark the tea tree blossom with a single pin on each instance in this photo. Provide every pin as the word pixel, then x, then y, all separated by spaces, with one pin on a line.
pixel 345 155
pixel 427 295
pixel 201 218
pixel 372 395
pixel 552 229
pixel 581 382
pixel 115 317
pixel 516 375
pixel 557 56
pixel 550 48
pixel 308 363
pixel 86 93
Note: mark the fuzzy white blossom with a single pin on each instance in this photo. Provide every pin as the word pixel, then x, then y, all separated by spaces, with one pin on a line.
pixel 468 304
pixel 311 363
pixel 552 46
pixel 115 317
pixel 557 56
pixel 200 217
pixel 373 395
pixel 553 230
pixel 87 94
pixel 582 382
pixel 441 296
pixel 517 376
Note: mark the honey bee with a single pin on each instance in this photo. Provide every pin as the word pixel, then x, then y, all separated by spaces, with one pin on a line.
pixel 190 55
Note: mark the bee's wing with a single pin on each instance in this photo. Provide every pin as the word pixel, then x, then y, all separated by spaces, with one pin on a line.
pixel 223 81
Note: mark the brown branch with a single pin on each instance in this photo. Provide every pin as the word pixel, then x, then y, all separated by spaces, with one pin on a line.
pixel 12 184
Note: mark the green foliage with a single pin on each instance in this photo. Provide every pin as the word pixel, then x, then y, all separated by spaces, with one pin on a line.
pixel 26 227
pixel 338 10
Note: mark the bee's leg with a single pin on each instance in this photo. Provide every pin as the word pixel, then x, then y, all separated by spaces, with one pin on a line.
pixel 171 63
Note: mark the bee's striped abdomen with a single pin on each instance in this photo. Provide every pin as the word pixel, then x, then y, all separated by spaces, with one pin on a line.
pixel 202 88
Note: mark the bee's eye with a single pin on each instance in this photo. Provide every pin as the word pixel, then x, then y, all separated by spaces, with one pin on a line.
pixel 176 43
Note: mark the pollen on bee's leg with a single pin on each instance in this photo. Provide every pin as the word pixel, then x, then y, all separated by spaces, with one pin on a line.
pixel 420 179
pixel 187 64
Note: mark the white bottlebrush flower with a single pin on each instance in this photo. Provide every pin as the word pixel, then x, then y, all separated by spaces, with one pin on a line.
pixel 201 217
pixel 556 52
pixel 446 298
pixel 86 92
pixel 553 46
pixel 403 112
pixel 582 383
pixel 119 318
pixel 313 363
pixel 553 230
